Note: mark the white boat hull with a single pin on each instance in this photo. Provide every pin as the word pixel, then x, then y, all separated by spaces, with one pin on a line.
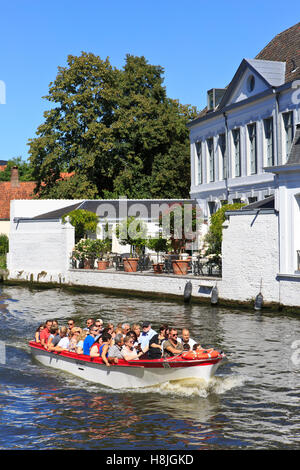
pixel 124 376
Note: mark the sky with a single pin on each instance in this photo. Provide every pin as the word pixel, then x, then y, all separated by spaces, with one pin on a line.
pixel 199 44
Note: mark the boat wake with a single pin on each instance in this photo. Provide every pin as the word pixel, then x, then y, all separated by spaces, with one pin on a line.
pixel 196 387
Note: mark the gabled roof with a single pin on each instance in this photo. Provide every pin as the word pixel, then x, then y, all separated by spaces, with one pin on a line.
pixel 115 204
pixel 285 47
pixel 270 72
pixel 282 48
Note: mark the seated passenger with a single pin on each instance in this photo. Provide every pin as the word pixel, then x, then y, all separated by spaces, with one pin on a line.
pixel 74 338
pixel 100 349
pixel 197 347
pixel 89 340
pixel 129 353
pixel 82 336
pixel 63 342
pixel 37 333
pixel 115 349
pixel 125 328
pixel 54 337
pixel 186 339
pixel 95 347
pixel 156 343
pixel 172 347
pixel 45 333
pixel 89 322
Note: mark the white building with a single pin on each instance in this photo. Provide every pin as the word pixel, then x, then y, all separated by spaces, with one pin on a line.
pixel 247 127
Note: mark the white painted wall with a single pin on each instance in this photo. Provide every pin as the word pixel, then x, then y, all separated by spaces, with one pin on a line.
pixel 40 246
pixel 250 255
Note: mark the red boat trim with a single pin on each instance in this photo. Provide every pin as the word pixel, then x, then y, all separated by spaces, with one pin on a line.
pixel 172 362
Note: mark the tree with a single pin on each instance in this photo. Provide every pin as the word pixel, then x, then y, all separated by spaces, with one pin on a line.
pixel 132 231
pixel 116 129
pixel 214 235
pixel 84 221
pixel 24 169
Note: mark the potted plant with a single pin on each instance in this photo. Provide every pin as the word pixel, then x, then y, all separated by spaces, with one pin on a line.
pixel 182 227
pixel 158 245
pixel 102 247
pixel 132 231
pixel 84 251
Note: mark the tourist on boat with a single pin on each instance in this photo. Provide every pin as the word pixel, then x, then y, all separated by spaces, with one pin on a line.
pixel 37 333
pixel 110 329
pixel 82 336
pixel 125 328
pixel 137 329
pixel 54 337
pixel 71 324
pixel 55 324
pixel 99 324
pixel 156 343
pixel 129 353
pixel 45 333
pixel 74 338
pixel 100 349
pixel 116 348
pixel 89 340
pixel 146 335
pixel 186 339
pixel 63 342
pixel 172 347
pixel 89 322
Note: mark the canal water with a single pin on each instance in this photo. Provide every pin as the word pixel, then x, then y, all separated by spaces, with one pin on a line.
pixel 253 402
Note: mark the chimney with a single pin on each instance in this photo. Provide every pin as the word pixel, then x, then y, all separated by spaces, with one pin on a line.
pixel 14 178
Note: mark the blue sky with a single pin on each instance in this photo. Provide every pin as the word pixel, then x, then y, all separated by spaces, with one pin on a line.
pixel 199 44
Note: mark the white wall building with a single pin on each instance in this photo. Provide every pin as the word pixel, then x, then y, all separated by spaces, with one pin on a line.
pixel 247 127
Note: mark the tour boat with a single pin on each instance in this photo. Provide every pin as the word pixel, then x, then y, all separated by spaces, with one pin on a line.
pixel 130 374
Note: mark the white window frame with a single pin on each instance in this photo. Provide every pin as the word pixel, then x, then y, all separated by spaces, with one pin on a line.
pixel 199 162
pixel 237 162
pixel 269 141
pixel 252 146
pixel 211 158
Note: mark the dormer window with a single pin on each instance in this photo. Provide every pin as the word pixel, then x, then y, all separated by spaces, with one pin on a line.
pixel 214 97
pixel 251 83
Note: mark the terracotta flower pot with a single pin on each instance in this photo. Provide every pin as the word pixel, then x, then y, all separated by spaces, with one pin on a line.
pixel 180 266
pixel 88 263
pixel 158 268
pixel 102 264
pixel 130 265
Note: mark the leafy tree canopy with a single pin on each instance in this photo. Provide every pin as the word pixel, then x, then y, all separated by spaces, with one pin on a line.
pixel 116 129
pixel 24 167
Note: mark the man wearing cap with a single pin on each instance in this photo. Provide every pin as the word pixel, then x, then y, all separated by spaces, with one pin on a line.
pixel 146 335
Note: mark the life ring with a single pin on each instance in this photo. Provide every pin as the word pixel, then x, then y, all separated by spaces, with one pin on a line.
pixel 200 354
pixel 189 355
pixel 207 354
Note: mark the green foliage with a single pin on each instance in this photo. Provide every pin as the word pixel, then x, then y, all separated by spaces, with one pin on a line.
pixel 159 244
pixel 116 129
pixel 24 167
pixel 132 231
pixel 83 221
pixel 4 246
pixel 90 249
pixel 4 243
pixel 214 235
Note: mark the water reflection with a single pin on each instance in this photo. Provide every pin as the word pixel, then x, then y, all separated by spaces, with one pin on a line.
pixel 252 403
